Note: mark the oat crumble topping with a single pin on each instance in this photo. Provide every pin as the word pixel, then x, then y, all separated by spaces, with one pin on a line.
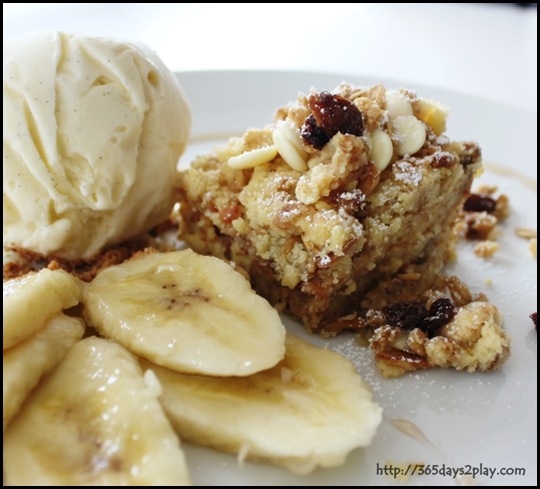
pixel 346 199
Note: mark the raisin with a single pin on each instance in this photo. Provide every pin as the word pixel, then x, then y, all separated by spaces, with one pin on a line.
pixel 405 315
pixel 330 114
pixel 533 317
pixel 480 203
pixel 312 134
pixel 440 313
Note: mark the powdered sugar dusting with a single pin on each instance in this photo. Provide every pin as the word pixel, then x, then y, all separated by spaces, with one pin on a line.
pixel 407 173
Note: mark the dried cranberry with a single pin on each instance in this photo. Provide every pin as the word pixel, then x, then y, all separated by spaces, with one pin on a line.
pixel 312 134
pixel 440 313
pixel 533 317
pixel 330 114
pixel 480 203
pixel 405 315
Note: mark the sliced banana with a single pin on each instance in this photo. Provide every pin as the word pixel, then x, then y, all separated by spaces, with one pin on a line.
pixel 187 312
pixel 30 301
pixel 308 411
pixel 27 362
pixel 94 421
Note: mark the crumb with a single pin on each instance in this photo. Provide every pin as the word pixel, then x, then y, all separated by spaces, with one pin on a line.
pixel 481 213
pixel 486 249
pixel 526 233
pixel 488 282
pixel 85 270
pixel 473 341
pixel 530 234
pixel 532 247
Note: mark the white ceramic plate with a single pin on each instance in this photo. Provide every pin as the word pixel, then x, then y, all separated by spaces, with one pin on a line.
pixel 475 422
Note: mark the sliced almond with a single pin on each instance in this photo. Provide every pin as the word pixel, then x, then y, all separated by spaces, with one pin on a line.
pixel 411 134
pixel 253 158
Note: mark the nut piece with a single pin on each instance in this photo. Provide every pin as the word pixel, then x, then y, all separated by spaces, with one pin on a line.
pixel 526 233
pixel 382 149
pixel 287 151
pixel 251 159
pixel 411 134
pixel 397 104
pixel 486 249
pixel 293 135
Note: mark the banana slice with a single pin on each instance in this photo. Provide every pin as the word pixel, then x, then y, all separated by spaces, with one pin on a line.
pixel 94 421
pixel 27 362
pixel 187 312
pixel 308 411
pixel 30 301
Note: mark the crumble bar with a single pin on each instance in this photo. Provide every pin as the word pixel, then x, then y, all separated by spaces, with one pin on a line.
pixel 345 203
pixel 448 327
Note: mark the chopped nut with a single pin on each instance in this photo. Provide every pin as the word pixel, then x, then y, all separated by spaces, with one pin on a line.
pixel 459 292
pixel 383 338
pixel 417 341
pixel 526 233
pixel 502 210
pixel 479 225
pixel 486 249
pixel 393 363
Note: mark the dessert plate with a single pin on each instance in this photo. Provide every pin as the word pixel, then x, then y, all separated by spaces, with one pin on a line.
pixel 465 429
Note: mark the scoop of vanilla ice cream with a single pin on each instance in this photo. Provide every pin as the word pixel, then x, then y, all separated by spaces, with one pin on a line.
pixel 93 130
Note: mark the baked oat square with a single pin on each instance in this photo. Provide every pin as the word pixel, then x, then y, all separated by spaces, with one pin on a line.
pixel 344 203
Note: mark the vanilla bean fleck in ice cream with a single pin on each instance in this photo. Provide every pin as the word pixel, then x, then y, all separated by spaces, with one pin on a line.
pixel 93 130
